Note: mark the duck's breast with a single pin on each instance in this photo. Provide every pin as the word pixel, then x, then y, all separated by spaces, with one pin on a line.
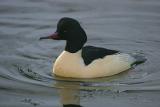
pixel 69 65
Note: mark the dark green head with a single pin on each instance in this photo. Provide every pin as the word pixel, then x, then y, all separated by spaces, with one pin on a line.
pixel 70 30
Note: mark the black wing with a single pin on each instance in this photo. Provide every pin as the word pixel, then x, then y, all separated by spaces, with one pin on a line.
pixel 90 53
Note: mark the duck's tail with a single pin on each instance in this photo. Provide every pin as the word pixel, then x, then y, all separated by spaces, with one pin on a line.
pixel 139 59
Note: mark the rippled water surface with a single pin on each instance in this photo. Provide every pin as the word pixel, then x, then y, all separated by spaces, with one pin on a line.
pixel 26 63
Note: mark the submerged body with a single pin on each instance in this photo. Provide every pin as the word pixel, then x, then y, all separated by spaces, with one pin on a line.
pixel 72 65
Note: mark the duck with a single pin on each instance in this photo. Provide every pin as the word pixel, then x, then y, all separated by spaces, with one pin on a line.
pixel 84 61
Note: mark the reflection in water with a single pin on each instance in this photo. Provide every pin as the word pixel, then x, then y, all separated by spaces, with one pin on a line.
pixel 69 93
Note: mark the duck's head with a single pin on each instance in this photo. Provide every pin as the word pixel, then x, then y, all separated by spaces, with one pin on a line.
pixel 70 30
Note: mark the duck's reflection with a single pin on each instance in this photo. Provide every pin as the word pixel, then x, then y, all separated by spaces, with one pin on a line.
pixel 69 93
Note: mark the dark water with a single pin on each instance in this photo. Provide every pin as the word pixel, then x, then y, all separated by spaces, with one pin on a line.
pixel 26 63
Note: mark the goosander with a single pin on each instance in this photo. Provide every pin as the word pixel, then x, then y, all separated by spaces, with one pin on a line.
pixel 79 61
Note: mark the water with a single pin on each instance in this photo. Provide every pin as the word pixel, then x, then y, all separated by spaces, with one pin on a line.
pixel 26 63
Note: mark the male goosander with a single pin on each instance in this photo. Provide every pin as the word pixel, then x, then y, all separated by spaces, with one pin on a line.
pixel 79 61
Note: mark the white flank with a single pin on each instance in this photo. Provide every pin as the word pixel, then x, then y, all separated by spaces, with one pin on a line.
pixel 72 65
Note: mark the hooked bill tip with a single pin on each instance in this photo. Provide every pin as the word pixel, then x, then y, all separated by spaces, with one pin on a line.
pixel 41 38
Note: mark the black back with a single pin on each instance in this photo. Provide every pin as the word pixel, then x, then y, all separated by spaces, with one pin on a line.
pixel 90 53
